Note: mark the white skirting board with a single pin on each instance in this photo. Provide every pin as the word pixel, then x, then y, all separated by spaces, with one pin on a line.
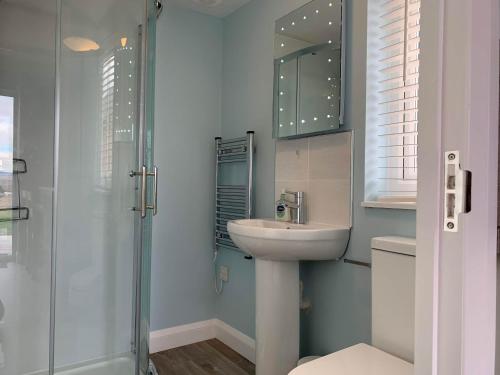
pixel 236 340
pixel 200 331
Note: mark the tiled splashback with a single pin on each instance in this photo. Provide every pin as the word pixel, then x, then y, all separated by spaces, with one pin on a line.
pixel 321 167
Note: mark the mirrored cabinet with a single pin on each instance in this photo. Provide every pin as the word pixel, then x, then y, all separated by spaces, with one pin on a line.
pixel 308 70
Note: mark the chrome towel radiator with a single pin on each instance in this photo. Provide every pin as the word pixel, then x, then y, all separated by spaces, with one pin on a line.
pixel 232 201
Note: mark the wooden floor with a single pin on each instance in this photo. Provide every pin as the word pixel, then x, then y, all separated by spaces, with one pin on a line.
pixel 210 357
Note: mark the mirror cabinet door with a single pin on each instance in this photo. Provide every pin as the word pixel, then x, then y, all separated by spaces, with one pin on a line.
pixel 319 83
pixel 308 70
pixel 286 97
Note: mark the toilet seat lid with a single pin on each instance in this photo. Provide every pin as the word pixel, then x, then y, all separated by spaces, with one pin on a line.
pixel 359 359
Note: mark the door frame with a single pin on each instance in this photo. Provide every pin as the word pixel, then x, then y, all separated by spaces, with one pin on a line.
pixel 458 110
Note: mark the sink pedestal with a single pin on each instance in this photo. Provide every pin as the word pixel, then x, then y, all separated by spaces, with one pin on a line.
pixel 278 247
pixel 277 316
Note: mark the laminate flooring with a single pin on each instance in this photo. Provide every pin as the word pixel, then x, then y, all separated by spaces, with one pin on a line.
pixel 209 357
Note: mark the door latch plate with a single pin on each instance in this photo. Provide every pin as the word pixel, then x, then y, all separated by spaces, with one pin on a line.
pixel 457 197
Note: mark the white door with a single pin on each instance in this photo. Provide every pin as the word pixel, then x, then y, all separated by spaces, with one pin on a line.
pixel 458 110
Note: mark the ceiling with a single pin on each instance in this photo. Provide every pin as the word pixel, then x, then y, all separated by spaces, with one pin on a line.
pixel 217 8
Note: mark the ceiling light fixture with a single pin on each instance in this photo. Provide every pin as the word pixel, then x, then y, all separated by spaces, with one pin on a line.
pixel 79 44
pixel 208 3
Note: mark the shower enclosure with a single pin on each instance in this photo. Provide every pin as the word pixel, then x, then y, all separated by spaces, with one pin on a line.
pixel 77 185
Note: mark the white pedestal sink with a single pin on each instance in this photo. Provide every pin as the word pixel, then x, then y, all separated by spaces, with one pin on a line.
pixel 278 247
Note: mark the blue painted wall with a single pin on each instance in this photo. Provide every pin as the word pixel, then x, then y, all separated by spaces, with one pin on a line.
pixel 187 118
pixel 216 77
pixel 340 293
pixel 247 98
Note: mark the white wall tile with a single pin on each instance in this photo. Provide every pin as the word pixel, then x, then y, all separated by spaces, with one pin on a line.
pixel 321 167
pixel 329 201
pixel 292 160
pixel 330 156
pixel 292 185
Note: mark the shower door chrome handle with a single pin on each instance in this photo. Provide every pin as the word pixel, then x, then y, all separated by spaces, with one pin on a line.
pixel 144 181
pixel 154 207
pixel 144 186
pixel 155 190
pixel 144 191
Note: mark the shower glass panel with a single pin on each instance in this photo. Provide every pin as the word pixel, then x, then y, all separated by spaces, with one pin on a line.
pixel 76 108
pixel 100 56
pixel 99 235
pixel 27 84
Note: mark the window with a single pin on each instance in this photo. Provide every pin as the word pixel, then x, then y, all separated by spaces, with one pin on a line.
pixel 107 113
pixel 117 110
pixel 7 114
pixel 392 100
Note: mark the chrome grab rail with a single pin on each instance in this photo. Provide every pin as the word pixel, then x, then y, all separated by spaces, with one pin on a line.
pixel 144 182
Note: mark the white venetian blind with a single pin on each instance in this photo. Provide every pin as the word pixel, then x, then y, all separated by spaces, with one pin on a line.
pixel 396 96
pixel 107 113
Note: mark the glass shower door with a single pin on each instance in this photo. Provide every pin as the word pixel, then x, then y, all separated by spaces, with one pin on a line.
pixel 76 102
pixel 104 134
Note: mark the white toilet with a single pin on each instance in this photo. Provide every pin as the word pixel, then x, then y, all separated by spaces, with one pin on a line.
pixel 393 317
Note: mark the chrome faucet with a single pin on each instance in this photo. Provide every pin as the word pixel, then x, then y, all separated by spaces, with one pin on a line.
pixel 297 206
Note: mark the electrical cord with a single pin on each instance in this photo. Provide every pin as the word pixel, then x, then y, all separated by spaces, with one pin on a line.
pixel 219 285
pixel 346 247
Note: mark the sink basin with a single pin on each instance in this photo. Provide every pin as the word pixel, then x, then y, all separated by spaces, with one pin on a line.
pixel 275 240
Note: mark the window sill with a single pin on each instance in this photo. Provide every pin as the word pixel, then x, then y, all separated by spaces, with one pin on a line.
pixel 392 205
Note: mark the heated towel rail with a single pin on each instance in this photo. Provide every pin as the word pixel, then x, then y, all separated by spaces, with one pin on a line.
pixel 232 201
